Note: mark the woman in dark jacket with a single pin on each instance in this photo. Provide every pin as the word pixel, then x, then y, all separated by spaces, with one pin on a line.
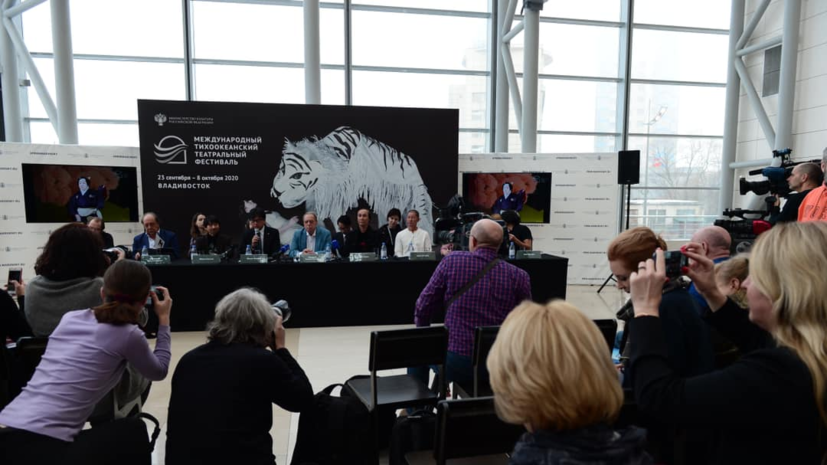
pixel 552 372
pixel 768 407
pixel 221 407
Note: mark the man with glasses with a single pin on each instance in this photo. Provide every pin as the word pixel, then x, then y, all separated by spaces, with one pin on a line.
pixel 261 238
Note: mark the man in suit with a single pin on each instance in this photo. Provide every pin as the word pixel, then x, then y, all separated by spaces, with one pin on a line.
pixel 154 237
pixel 96 224
pixel 313 238
pixel 214 242
pixel 261 238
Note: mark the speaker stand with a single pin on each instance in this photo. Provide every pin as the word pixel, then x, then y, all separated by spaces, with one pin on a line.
pixel 628 208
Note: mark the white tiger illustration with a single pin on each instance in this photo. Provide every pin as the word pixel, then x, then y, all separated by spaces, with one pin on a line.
pixel 330 175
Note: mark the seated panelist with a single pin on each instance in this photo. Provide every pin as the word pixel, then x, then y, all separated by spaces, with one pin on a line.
pixel 311 239
pixel 363 238
pixel 261 238
pixel 213 242
pixel 154 237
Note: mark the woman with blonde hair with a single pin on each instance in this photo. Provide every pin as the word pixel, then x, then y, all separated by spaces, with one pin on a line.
pixel 730 276
pixel 551 371
pixel 768 407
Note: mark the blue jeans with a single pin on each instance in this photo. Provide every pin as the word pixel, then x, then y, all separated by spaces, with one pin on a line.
pixel 458 369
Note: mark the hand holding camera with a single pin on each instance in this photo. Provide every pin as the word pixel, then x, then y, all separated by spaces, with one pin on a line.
pixel 161 303
pixel 279 335
pixel 701 270
pixel 647 285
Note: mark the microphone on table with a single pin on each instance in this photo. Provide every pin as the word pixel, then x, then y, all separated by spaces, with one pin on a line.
pixel 276 256
pixel 334 244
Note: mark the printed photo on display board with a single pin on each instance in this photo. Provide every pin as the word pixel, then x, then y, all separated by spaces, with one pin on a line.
pixel 63 193
pixel 228 158
pixel 527 193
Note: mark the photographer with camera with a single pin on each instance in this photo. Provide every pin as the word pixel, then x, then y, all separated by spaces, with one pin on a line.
pixel 814 205
pixel 768 407
pixel 221 406
pixel 803 178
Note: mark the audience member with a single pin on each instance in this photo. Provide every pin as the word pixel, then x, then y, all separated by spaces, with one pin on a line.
pixel 13 324
pixel 84 360
pixel 768 407
pixel 154 237
pixel 715 242
pixel 220 410
pixel 389 231
pixel 261 238
pixel 519 234
pixel 567 410
pixel 363 238
pixel 814 205
pixel 311 239
pixel 197 228
pixel 96 224
pixel 730 276
pixel 214 242
pixel 412 239
pixel 68 277
pixel 804 178
pixel 688 343
pixel 344 225
pixel 496 287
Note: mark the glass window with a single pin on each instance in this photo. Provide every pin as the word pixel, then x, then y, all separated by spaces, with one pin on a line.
pixel 263 84
pixel 712 14
pixel 480 6
pixel 663 205
pixel 473 142
pixel 118 135
pixel 42 132
pixel 601 10
pixel 111 89
pixel 685 110
pixel 254 32
pixel 103 27
pixel 558 143
pixel 417 90
pixel 419 41
pixel 675 162
pixel 573 50
pixel 679 56
pixel 579 106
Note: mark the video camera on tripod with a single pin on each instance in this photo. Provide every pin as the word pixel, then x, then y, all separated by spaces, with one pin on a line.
pixel 743 231
pixel 453 226
pixel 776 182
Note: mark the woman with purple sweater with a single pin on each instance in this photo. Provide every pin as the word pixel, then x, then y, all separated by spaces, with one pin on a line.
pixel 85 358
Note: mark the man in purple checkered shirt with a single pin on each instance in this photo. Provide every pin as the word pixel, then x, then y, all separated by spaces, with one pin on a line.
pixel 486 303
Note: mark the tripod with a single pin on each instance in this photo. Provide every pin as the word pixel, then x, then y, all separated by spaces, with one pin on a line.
pixel 628 207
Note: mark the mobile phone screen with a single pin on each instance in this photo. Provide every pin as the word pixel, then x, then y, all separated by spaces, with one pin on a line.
pixel 14 275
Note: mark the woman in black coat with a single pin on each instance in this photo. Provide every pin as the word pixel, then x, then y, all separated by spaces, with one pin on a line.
pixel 769 406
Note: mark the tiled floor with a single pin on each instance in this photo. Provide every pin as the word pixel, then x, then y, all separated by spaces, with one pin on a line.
pixel 331 355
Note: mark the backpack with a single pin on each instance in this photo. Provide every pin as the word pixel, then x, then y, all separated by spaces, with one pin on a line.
pixel 337 431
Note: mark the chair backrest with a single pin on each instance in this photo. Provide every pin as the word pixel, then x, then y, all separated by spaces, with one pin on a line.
pixel 470 427
pixel 29 352
pixel 408 348
pixel 484 337
pixel 609 330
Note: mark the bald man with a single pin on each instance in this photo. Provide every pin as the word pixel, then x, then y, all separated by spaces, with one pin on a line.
pixel 716 243
pixel 803 178
pixel 497 287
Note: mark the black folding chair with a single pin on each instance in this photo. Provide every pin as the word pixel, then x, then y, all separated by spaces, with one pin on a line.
pixel 401 349
pixel 484 337
pixel 469 428
pixel 609 330
pixel 29 352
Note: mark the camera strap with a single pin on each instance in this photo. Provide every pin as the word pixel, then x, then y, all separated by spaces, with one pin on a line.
pixel 471 283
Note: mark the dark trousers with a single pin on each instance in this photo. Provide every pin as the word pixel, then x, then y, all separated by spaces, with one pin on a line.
pixel 123 442
pixel 458 369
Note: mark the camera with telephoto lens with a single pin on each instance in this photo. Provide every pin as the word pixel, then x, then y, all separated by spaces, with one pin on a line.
pixel 282 309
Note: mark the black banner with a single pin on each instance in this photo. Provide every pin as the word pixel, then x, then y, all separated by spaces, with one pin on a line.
pixel 226 158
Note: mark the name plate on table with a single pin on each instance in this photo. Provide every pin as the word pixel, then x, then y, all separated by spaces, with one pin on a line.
pixel 150 260
pixel 362 257
pixel 205 259
pixel 529 254
pixel 310 258
pixel 419 256
pixel 258 258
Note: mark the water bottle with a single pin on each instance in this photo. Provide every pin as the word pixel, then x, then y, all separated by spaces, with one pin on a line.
pixel 327 253
pixel 383 253
pixel 193 251
pixel 144 253
pixel 249 250
pixel 512 251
